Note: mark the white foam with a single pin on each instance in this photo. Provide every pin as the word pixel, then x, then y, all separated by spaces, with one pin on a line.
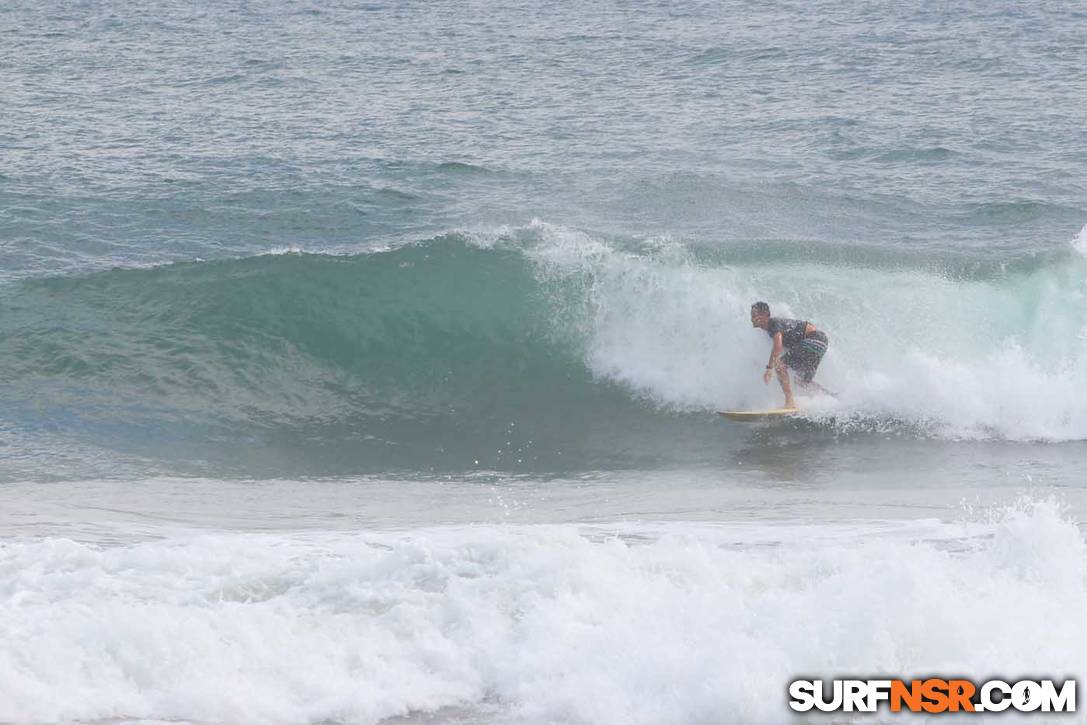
pixel 1080 242
pixel 543 623
pixel 1001 357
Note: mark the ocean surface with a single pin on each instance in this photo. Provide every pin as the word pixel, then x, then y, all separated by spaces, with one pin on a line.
pixel 359 361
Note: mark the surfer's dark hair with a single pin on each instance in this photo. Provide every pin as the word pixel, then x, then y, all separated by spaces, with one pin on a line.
pixel 761 307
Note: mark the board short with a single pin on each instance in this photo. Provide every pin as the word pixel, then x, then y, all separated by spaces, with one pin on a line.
pixel 805 357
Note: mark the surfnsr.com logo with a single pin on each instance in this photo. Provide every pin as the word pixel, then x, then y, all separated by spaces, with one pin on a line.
pixel 933 695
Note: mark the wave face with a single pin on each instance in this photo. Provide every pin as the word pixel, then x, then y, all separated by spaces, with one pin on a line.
pixel 539 342
pixel 513 623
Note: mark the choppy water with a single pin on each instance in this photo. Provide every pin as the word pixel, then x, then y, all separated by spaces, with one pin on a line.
pixel 369 354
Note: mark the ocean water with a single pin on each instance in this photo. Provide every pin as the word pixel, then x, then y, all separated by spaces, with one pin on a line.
pixel 359 362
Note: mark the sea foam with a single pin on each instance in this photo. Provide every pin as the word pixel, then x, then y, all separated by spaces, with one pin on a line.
pixel 1002 354
pixel 524 623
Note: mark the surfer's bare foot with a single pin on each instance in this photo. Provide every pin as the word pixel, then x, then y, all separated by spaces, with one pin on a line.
pixel 790 403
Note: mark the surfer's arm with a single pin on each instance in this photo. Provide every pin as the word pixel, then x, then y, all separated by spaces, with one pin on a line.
pixel 775 351
pixel 775 355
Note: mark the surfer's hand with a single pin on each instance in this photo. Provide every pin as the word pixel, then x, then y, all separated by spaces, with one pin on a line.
pixel 767 375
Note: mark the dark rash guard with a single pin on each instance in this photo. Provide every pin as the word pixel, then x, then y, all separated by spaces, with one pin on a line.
pixel 792 331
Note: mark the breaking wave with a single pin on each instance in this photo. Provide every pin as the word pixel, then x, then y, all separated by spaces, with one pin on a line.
pixel 543 336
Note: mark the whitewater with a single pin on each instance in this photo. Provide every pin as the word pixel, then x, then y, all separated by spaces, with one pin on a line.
pixel 529 622
pixel 360 363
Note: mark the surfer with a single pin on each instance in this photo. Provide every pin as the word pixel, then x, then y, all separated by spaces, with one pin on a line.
pixel 802 343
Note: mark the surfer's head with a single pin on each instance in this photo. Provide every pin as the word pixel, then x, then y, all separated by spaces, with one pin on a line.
pixel 760 315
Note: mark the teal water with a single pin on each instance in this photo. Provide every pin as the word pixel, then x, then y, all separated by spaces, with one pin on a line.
pixel 368 355
pixel 534 349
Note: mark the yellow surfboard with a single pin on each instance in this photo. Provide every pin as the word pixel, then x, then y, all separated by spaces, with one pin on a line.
pixel 750 416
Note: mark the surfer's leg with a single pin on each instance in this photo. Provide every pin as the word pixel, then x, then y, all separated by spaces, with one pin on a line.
pixel 787 388
pixel 806 358
pixel 812 385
